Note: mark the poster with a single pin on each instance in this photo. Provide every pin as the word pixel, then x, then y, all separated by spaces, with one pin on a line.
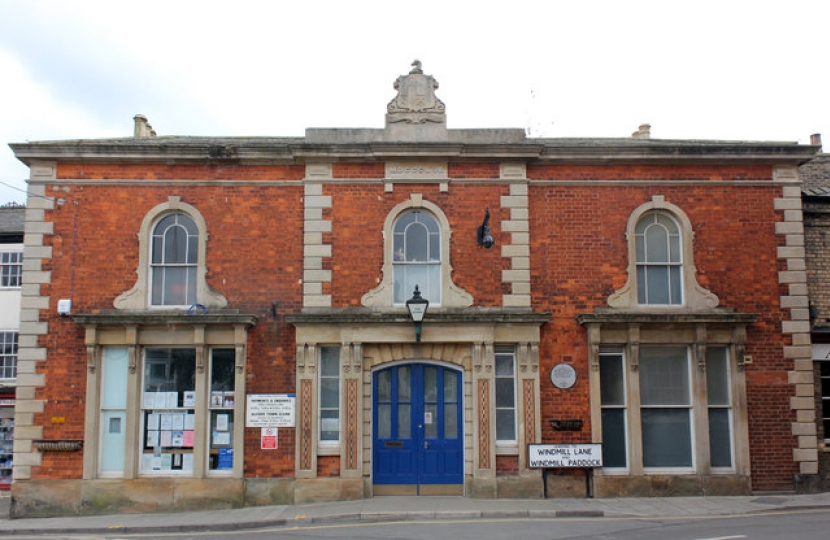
pixel 270 410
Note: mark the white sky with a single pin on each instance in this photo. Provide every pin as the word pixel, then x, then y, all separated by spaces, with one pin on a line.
pixel 694 69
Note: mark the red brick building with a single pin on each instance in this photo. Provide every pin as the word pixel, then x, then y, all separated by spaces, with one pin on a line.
pixel 215 322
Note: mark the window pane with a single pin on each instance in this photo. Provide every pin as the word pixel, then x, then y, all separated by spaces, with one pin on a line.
pixel 175 285
pixel 667 440
pixel 384 421
pixel 158 286
pixel 113 424
pixel 404 421
pixel 416 243
pixel 717 376
pixel 450 386
pixel 504 365
pixel 329 362
pixel 193 250
pixel 385 385
pixel 505 425
pixel 674 248
pixel 222 366
pixel 664 376
pixel 430 384
pixel 612 384
pixel 329 425
pixel 404 221
pixel 157 250
pixel 657 244
pixel 613 438
pixel 431 420
pixel 220 457
pixel 175 245
pixel 640 248
pixel 642 296
pixel 720 439
pixel 329 394
pixel 657 278
pixel 505 392
pixel 450 421
pixel 675 284
pixel 404 383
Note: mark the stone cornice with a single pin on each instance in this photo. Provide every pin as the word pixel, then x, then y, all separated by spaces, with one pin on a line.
pixel 489 145
pixel 711 316
pixel 400 315
pixel 160 318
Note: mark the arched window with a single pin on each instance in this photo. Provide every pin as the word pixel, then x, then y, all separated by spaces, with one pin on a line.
pixel 174 261
pixel 417 256
pixel 659 260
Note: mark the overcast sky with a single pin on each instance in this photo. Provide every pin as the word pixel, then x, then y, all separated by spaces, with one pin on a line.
pixel 725 69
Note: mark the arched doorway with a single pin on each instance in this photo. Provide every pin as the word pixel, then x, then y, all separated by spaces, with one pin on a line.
pixel 417 430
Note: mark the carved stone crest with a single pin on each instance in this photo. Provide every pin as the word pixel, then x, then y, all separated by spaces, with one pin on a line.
pixel 416 102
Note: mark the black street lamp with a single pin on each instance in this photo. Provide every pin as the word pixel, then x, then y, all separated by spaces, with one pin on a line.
pixel 417 307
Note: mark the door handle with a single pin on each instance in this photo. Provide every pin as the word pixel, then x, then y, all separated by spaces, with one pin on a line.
pixel 426 445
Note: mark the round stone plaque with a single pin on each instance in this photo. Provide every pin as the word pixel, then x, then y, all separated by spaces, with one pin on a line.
pixel 563 376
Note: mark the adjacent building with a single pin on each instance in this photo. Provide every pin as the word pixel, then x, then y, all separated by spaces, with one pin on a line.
pixel 224 321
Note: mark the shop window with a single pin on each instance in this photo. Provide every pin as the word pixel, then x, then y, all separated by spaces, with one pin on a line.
pixel 665 401
pixel 11 269
pixel 505 395
pixel 659 262
pixel 329 394
pixel 417 261
pixel 168 411
pixel 221 407
pixel 613 403
pixel 8 355
pixel 174 260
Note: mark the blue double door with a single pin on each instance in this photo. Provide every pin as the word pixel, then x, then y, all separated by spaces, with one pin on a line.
pixel 418 441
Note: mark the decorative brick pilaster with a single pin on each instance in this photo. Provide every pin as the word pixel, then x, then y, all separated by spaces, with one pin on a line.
pixel 798 325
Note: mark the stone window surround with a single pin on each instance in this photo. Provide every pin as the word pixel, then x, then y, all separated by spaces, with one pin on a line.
pixel 138 297
pixel 696 332
pixel 694 296
pixel 452 296
pixel 140 331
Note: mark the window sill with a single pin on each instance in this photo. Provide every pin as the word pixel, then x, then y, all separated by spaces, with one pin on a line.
pixel 328 450
pixel 510 449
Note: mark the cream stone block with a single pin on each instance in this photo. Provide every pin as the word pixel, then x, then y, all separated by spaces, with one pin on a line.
pixel 803 365
pixel 801 403
pixel 792 192
pixel 318 226
pixel 317 275
pixel 30 354
pixel 312 238
pixel 807 441
pixel 41 203
pixel 43 227
pixel 30 459
pixel 788 276
pixel 794 239
pixel 32 265
pixel 34 328
pixel 510 250
pixel 22 445
pixel 311 189
pixel 515 275
pixel 798 289
pixel 29 315
pixel 509 171
pixel 518 214
pixel 791 327
pixel 37 277
pixel 808 467
pixel 804 429
pixel 520 188
pixel 34 215
pixel 793 215
pixel 34 302
pixel 804 390
pixel 38 252
pixel 805 416
pixel 310 289
pixel 514 201
pixel 800 377
pixel 443 187
pixel 29 405
pixel 310 214
pixel 317 301
pixel 321 250
pixel 805 454
pixel 21 472
pixel 23 419
pixel 800 314
pixel 28 432
pixel 788 302
pixel 30 290
pixel 515 226
pixel 520 238
pixel 33 240
pixel 26 366
pixel 795 264
pixel 787 204
pixel 798 352
pixel 789 227
pixel 318 201
pixel 516 300
pixel 786 252
pixel 25 392
pixel 313 263
pixel 521 287
pixel 520 263
pixel 801 339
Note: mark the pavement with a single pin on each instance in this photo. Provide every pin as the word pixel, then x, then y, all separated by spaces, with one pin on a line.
pixel 380 509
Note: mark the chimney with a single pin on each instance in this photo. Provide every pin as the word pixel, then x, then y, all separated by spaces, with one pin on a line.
pixel 143 129
pixel 815 139
pixel 643 132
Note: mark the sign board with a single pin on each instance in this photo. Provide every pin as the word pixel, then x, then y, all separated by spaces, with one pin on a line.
pixel 563 376
pixel 270 410
pixel 268 439
pixel 564 455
